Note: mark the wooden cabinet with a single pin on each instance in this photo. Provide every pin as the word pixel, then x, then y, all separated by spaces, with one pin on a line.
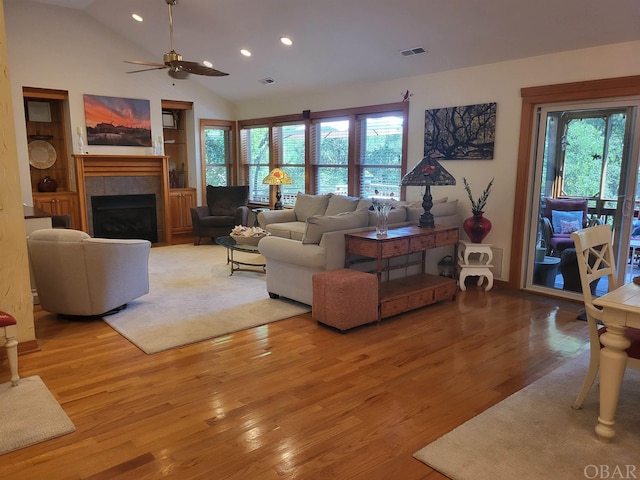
pixel 181 200
pixel 409 292
pixel 59 203
pixel 46 134
pixel 174 131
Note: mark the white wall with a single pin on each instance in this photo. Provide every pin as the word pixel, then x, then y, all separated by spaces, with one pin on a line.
pixel 499 82
pixel 59 48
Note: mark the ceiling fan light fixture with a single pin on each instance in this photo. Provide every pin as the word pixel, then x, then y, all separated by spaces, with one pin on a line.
pixel 207 63
pixel 136 17
pixel 286 41
pixel 245 52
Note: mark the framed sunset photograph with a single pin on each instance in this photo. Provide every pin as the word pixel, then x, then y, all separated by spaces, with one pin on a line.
pixel 117 121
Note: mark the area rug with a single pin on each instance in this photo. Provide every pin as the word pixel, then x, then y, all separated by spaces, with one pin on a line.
pixel 29 414
pixel 535 434
pixel 192 298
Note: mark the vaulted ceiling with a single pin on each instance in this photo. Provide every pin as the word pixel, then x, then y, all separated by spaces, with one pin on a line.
pixel 339 42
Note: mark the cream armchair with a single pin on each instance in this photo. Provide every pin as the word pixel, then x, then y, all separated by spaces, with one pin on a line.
pixel 76 275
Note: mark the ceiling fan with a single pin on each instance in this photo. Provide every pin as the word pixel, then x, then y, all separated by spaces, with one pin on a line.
pixel 178 68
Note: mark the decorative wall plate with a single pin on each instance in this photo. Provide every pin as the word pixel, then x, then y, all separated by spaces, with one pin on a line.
pixel 41 154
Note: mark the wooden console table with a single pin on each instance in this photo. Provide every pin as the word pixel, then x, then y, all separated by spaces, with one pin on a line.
pixel 410 292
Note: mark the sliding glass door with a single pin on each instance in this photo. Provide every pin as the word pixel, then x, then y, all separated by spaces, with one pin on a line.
pixel 586 172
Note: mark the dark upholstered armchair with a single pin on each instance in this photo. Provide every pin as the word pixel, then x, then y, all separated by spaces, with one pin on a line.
pixel 570 215
pixel 226 207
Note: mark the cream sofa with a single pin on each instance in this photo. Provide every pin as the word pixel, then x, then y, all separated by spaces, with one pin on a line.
pixel 303 244
pixel 76 275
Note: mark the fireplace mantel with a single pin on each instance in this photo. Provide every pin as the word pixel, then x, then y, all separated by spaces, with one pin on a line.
pixel 123 166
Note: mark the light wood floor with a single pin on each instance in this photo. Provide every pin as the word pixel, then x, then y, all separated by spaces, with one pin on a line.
pixel 292 400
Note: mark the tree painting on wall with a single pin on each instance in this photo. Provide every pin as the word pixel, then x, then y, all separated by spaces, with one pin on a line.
pixel 117 121
pixel 460 133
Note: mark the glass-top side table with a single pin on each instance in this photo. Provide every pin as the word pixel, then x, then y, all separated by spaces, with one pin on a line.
pixel 232 246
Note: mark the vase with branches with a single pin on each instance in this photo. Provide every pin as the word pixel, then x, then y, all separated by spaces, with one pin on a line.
pixel 477 227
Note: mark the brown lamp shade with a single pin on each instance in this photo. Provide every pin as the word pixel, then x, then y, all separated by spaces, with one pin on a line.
pixel 428 172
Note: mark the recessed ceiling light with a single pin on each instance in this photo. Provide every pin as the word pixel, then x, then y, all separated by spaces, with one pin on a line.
pixel 245 52
pixel 207 63
pixel 136 17
pixel 286 41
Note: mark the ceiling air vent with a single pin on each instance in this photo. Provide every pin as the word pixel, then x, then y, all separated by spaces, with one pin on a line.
pixel 413 51
pixel 267 81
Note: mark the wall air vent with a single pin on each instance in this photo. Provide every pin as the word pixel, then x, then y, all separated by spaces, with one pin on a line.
pixel 267 81
pixel 413 51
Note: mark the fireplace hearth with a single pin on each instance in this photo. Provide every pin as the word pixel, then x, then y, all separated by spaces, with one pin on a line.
pixel 125 217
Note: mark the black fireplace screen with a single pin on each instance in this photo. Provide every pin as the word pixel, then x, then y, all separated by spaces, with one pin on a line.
pixel 125 216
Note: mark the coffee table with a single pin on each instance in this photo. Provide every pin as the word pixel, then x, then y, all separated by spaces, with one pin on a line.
pixel 232 246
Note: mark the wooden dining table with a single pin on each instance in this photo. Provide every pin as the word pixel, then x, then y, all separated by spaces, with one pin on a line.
pixel 621 309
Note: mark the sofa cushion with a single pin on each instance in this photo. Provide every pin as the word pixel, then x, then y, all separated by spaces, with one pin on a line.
pixel 317 225
pixel 307 205
pixel 293 230
pixel 364 204
pixel 440 209
pixel 340 204
pixel 397 214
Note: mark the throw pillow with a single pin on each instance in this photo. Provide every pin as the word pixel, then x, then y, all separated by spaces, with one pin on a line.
pixel 317 225
pixel 558 216
pixel 308 205
pixel 569 227
pixel 340 204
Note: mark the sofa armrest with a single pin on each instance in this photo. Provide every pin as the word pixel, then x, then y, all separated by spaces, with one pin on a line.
pixel 241 216
pixel 285 250
pixel 276 216
pixel 199 212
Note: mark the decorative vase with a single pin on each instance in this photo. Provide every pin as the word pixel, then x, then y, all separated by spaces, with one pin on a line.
pixel 47 184
pixel 382 219
pixel 477 227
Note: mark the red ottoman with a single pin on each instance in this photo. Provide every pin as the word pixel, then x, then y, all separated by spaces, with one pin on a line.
pixel 345 298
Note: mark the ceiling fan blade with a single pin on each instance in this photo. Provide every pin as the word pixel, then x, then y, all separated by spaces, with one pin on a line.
pixel 148 64
pixel 196 68
pixel 148 69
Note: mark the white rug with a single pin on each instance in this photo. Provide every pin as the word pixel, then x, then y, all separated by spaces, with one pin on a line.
pixel 535 434
pixel 29 414
pixel 192 297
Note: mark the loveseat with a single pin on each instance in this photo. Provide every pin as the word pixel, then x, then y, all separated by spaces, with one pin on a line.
pixel 309 238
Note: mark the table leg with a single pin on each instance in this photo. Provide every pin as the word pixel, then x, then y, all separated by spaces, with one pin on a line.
pixel 613 362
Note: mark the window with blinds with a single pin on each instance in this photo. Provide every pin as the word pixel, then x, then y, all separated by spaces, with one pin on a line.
pixel 356 151
pixel 216 155
pixel 289 146
pixel 331 156
pixel 255 154
pixel 380 162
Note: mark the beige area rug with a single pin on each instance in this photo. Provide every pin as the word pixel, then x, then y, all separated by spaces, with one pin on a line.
pixel 192 298
pixel 535 434
pixel 30 414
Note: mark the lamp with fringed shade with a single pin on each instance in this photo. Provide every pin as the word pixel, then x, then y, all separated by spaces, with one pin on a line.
pixel 427 173
pixel 277 177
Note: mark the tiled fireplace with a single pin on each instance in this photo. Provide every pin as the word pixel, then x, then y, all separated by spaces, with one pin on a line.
pixel 120 175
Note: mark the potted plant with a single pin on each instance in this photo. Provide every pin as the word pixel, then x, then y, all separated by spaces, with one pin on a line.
pixel 477 226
